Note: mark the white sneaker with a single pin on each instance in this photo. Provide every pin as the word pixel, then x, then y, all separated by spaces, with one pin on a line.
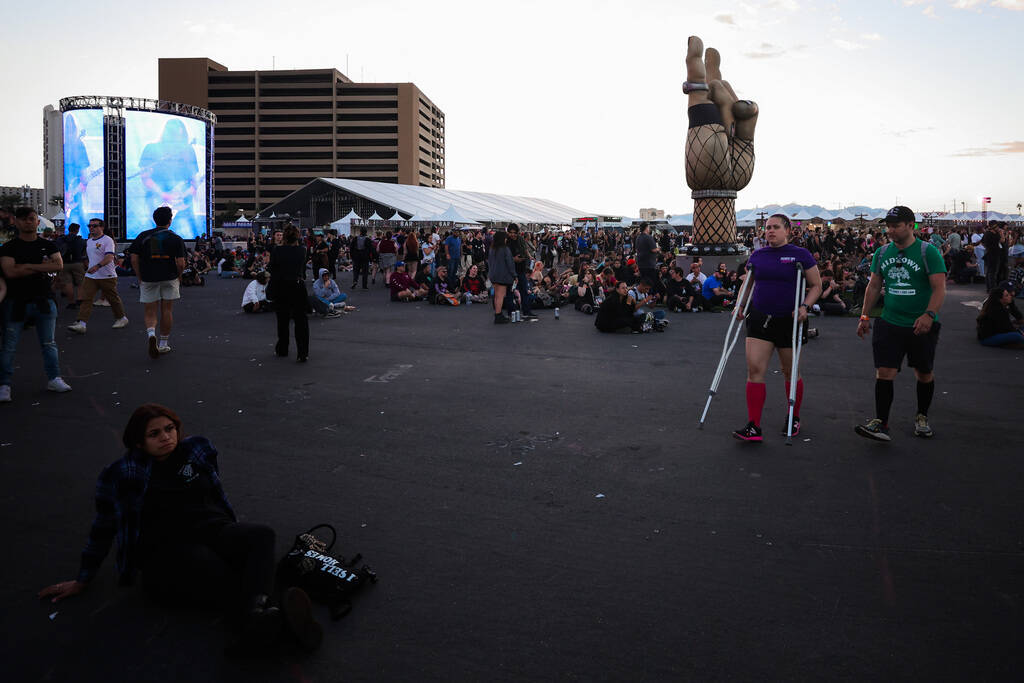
pixel 78 327
pixel 330 308
pixel 118 324
pixel 5 393
pixel 59 385
pixel 163 349
pixel 102 302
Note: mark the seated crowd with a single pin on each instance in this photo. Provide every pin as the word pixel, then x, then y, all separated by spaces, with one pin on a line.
pixel 587 270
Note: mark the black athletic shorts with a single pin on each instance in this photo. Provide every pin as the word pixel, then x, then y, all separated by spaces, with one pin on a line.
pixel 777 329
pixel 891 342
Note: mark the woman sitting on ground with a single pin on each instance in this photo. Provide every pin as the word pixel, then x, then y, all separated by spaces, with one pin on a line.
pixel 164 503
pixel 537 274
pixel 226 266
pixel 616 312
pixel 475 286
pixel 587 295
pixel 996 325
pixel 607 281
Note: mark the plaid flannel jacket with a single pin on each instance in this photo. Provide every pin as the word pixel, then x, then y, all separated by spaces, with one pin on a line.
pixel 120 492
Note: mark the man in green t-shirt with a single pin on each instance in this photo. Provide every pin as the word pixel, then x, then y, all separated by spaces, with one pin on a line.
pixel 914 276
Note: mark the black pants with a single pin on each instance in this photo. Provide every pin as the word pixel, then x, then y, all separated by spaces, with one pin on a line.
pixel 523 285
pixel 295 309
pixel 614 324
pixel 991 272
pixel 360 266
pixel 226 568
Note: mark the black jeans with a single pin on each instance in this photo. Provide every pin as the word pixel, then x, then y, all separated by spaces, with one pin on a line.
pixel 523 285
pixel 295 309
pixel 360 266
pixel 227 567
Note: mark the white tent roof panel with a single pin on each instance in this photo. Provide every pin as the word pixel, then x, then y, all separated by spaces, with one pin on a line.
pixel 475 206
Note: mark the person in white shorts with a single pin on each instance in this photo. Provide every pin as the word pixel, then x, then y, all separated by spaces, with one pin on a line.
pixel 158 258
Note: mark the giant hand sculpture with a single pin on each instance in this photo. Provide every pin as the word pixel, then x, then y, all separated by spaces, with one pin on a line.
pixel 719 148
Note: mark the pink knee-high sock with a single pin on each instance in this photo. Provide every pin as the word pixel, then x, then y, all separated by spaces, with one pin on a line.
pixel 756 395
pixel 799 396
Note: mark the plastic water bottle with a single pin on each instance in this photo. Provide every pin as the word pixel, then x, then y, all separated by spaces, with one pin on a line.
pixel 556 313
pixel 469 299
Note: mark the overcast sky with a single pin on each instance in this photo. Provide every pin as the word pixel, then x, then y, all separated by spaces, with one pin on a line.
pixel 581 102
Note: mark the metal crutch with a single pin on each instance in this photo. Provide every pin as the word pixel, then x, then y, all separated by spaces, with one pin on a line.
pixel 798 337
pixel 731 336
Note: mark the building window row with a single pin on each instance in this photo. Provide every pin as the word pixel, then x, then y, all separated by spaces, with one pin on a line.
pixel 345 90
pixel 296 168
pixel 367 129
pixel 296 78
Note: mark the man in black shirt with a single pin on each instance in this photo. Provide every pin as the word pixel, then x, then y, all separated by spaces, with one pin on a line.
pixel 72 253
pixel 679 292
pixel 158 258
pixel 28 264
pixel 647 254
pixel 521 257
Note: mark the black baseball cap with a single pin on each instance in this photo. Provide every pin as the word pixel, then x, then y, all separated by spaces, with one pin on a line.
pixel 900 214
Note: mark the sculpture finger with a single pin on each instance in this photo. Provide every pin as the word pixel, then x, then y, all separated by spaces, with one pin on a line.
pixel 713 64
pixel 723 99
pixel 729 88
pixel 745 114
pixel 695 73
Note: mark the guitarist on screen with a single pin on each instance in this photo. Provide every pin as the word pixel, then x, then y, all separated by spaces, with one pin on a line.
pixel 76 158
pixel 171 176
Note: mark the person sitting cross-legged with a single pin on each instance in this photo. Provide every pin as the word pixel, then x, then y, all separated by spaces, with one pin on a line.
pixel 327 291
pixel 403 287
pixel 443 293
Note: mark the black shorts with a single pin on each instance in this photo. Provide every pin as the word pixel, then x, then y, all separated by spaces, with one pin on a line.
pixel 891 342
pixel 777 329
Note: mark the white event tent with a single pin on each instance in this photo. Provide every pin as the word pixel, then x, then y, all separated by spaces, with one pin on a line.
pixel 344 224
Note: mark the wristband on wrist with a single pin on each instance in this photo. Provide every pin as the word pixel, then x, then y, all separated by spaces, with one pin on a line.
pixel 865 317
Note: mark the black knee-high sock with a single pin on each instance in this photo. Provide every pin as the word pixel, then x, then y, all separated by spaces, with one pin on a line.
pixel 883 399
pixel 925 391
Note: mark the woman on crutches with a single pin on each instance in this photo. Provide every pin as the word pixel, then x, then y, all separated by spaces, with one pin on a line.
pixel 774 312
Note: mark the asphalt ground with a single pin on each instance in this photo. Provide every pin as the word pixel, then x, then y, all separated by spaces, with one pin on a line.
pixel 537 500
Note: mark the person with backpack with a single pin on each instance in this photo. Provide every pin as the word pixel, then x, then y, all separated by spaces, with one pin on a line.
pixel 914 276
pixel 72 251
pixel 158 258
pixel 361 250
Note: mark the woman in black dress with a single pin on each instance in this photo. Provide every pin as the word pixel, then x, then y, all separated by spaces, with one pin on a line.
pixel 287 289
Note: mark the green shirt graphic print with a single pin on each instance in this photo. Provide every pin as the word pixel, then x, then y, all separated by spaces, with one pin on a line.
pixel 905 278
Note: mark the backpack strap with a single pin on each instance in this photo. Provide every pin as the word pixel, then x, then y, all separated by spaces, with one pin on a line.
pixel 877 268
pixel 924 257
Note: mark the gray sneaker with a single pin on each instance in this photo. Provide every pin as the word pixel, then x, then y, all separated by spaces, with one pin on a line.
pixel 59 385
pixel 78 327
pixel 921 427
pixel 873 429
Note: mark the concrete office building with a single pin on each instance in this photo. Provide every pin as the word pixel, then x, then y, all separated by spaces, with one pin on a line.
pixel 278 130
pixel 26 196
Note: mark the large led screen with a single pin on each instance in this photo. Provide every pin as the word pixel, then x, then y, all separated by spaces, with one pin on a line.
pixel 83 166
pixel 165 165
